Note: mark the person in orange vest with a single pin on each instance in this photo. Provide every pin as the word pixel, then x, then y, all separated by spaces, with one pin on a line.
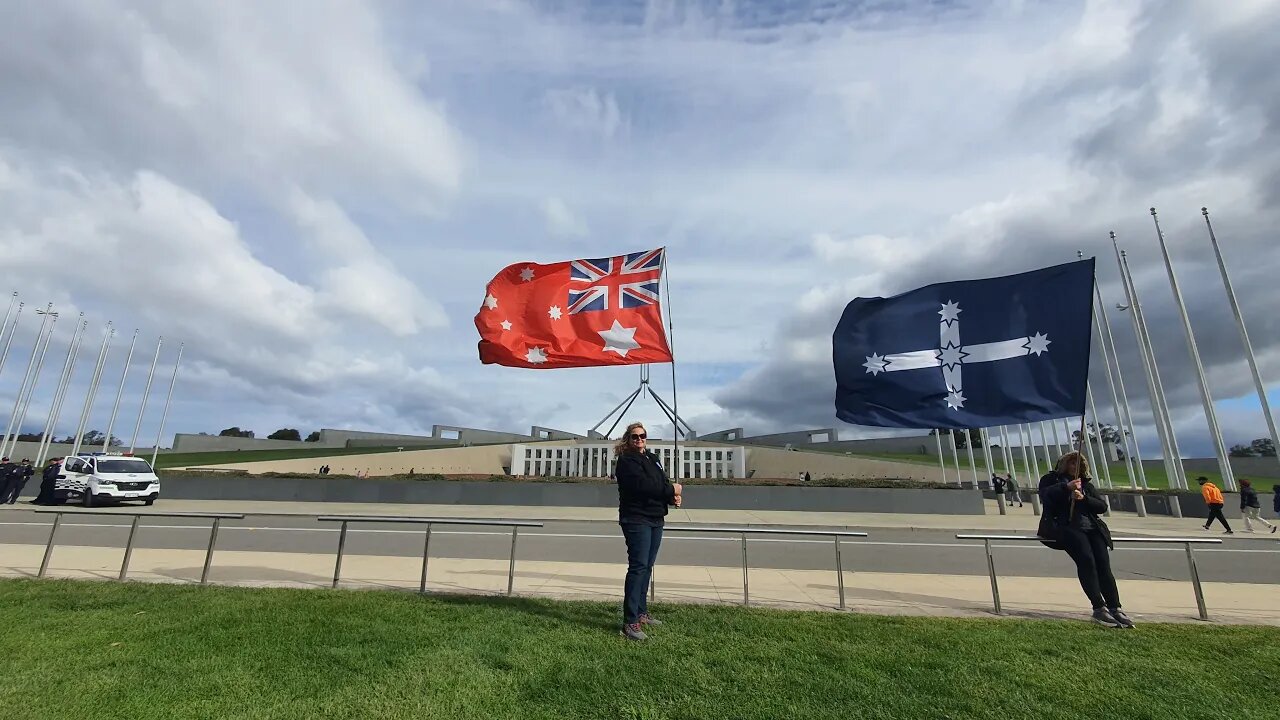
pixel 1213 498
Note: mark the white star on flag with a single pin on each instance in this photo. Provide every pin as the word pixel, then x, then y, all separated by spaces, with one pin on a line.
pixel 536 355
pixel 490 302
pixel 506 324
pixel 955 399
pixel 1038 343
pixel 875 364
pixel 619 339
pixel 554 312
pixel 950 311
pixel 526 274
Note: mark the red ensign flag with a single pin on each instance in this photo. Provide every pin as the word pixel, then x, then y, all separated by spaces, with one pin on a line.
pixel 579 313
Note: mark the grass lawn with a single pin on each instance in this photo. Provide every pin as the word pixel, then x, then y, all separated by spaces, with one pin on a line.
pixel 106 650
pixel 171 460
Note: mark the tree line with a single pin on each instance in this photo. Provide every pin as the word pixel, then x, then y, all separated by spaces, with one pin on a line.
pixel 281 434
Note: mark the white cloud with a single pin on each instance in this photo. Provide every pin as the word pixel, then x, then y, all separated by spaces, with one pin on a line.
pixel 586 110
pixel 561 221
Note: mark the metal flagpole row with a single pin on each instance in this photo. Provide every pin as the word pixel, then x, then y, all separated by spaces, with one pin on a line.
pixel 1057 441
pixel 1049 460
pixel 168 398
pixel 35 379
pixel 1032 465
pixel 60 394
pixel 973 468
pixel 1244 335
pixel 7 333
pixel 26 377
pixel 89 396
pixel 1175 457
pixel 1124 424
pixel 1202 380
pixel 1103 469
pixel 115 407
pixel 1163 427
pixel 146 393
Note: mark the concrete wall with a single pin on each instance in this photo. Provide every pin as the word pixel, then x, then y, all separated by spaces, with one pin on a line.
pixel 795 438
pixel 28 450
pixel 804 499
pixel 186 442
pixel 478 460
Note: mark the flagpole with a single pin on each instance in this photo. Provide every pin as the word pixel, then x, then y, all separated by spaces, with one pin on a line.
pixel 35 379
pixel 1057 442
pixel 169 398
pixel 675 396
pixel 973 468
pixel 991 468
pixel 1104 468
pixel 115 407
pixel 1206 397
pixel 60 394
pixel 955 456
pixel 1044 443
pixel 1032 467
pixel 146 393
pixel 92 392
pixel 1124 421
pixel 1163 422
pixel 12 331
pixel 942 463
pixel 1244 334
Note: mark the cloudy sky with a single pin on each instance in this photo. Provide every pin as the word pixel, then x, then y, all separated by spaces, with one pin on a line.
pixel 313 200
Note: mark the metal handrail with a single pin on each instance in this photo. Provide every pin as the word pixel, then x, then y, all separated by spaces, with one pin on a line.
pixel 742 532
pixel 515 526
pixel 133 530
pixel 1185 542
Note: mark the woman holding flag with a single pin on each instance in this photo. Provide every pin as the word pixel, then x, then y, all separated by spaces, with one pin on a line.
pixel 1072 510
pixel 644 493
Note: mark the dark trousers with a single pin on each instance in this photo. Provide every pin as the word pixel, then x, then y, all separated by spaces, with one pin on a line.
pixel 1215 512
pixel 12 488
pixel 642 551
pixel 1093 565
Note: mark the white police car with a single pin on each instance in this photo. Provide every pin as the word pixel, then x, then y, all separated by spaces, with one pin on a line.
pixel 96 477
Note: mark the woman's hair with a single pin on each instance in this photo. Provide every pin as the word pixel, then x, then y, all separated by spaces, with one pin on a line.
pixel 621 446
pixel 1083 463
pixel 1244 482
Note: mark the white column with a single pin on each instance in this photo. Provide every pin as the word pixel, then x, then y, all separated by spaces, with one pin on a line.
pixel 146 393
pixel 26 377
pixel 12 330
pixel 1211 415
pixel 1124 421
pixel 92 392
pixel 955 456
pixel 35 379
pixel 115 407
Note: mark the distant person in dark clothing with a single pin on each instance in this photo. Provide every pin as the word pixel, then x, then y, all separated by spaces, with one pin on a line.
pixel 997 486
pixel 18 476
pixel 644 494
pixel 1275 499
pixel 49 482
pixel 1213 499
pixel 1250 508
pixel 806 476
pixel 1072 510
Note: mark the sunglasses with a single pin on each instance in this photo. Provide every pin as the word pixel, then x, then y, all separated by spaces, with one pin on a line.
pixel 639 436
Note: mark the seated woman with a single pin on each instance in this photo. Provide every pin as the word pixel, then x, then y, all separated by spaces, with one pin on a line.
pixel 1072 507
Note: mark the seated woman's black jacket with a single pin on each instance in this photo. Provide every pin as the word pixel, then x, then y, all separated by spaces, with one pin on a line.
pixel 1055 494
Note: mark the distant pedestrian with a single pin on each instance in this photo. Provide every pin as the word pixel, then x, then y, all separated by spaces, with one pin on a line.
pixel 997 486
pixel 644 494
pixel 49 483
pixel 806 476
pixel 18 476
pixel 1275 499
pixel 1011 491
pixel 1213 498
pixel 1250 508
pixel 1071 519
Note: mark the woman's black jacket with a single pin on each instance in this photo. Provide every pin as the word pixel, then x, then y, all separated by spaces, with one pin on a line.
pixel 1056 495
pixel 644 492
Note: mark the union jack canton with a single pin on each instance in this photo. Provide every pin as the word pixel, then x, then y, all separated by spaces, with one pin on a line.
pixel 620 282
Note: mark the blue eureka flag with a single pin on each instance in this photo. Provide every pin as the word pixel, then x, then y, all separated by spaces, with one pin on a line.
pixel 968 354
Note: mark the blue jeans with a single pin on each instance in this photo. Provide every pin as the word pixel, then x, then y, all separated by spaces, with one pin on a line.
pixel 642 552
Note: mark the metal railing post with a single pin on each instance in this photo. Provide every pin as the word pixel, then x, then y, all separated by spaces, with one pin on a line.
pixel 208 557
pixel 426 552
pixel 839 573
pixel 342 546
pixel 746 586
pixel 1195 582
pixel 511 568
pixel 48 550
pixel 991 570
pixel 128 548
pixel 653 584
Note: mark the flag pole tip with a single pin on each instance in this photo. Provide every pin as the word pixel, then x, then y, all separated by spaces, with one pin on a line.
pixel 1204 211
pixel 1153 211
